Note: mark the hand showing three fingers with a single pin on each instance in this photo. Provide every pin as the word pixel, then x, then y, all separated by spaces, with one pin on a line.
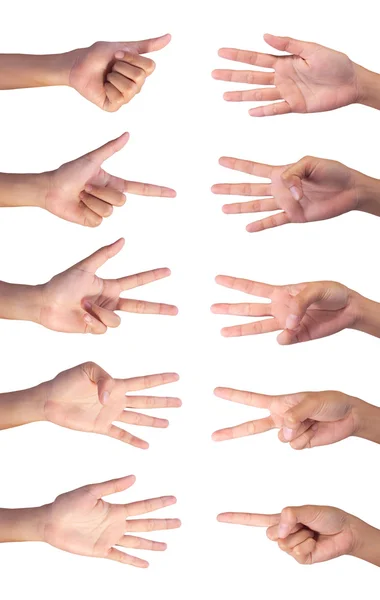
pixel 306 419
pixel 78 301
pixel 312 189
pixel 310 534
pixel 82 523
pixel 82 192
pixel 86 398
pixel 312 78
pixel 110 74
pixel 304 311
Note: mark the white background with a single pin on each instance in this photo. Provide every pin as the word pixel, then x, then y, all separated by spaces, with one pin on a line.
pixel 179 127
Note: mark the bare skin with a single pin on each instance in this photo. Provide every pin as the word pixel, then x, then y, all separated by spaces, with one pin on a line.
pixel 108 74
pixel 78 301
pixel 313 189
pixel 313 534
pixel 311 78
pixel 87 398
pixel 81 522
pixel 79 191
pixel 306 419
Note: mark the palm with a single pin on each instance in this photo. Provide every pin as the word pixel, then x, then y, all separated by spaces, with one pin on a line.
pixel 328 191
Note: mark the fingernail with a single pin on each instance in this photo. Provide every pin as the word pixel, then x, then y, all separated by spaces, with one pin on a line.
pixel 287 433
pixel 292 322
pixel 105 397
pixel 282 531
pixel 295 192
pixel 87 318
pixel 88 188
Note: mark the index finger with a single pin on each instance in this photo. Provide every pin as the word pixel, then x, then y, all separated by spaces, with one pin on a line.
pixel 145 506
pixel 249 519
pixel 246 166
pixel 255 288
pixel 242 397
pixel 267 61
pixel 148 381
pixel 148 189
pixel 133 281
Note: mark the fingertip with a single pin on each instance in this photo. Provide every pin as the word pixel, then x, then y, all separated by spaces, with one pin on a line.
pixel 225 332
pixel 250 228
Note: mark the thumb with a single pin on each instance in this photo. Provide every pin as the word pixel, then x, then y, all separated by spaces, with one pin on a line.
pixel 292 177
pixel 150 45
pixel 292 515
pixel 298 305
pixel 103 380
pixel 113 486
pixel 93 262
pixel 107 150
pixel 288 44
pixel 306 409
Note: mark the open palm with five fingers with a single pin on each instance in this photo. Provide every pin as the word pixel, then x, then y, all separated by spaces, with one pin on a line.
pixel 82 523
pixel 78 301
pixel 304 311
pixel 87 398
pixel 306 419
pixel 310 534
pixel 312 189
pixel 312 78
pixel 110 74
pixel 81 191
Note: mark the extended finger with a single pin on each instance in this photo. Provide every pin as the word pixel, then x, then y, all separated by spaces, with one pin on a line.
pixel 138 543
pixel 258 95
pixel 244 430
pixel 264 205
pixel 242 189
pixel 146 506
pixel 250 77
pixel 93 262
pixel 150 402
pixel 242 397
pixel 271 110
pixel 113 486
pixel 148 189
pixel 254 288
pixel 257 328
pixel 276 220
pixel 151 524
pixel 246 166
pixel 244 309
pixel 133 418
pixel 148 381
pixel 124 436
pixel 126 559
pixel 132 281
pixel 267 61
pixel 146 308
pixel 250 519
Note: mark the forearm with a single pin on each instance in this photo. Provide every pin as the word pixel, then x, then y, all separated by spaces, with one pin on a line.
pixel 20 302
pixel 22 407
pixel 367 193
pixel 367 420
pixel 23 190
pixel 367 541
pixel 27 70
pixel 366 315
pixel 368 87
pixel 23 524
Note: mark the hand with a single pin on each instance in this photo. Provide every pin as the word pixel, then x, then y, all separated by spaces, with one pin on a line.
pixel 313 189
pixel 82 523
pixel 305 311
pixel 86 398
pixel 310 534
pixel 77 301
pixel 110 74
pixel 80 191
pixel 312 79
pixel 306 420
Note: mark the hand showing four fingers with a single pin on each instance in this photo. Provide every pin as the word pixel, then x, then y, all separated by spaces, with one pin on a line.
pixel 82 523
pixel 87 398
pixel 110 74
pixel 312 78
pixel 78 301
pixel 82 192
pixel 312 189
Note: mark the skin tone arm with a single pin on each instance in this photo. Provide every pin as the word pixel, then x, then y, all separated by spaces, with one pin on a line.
pixel 313 534
pixel 303 311
pixel 313 189
pixel 108 74
pixel 87 398
pixel 77 300
pixel 82 523
pixel 310 78
pixel 79 191
pixel 306 419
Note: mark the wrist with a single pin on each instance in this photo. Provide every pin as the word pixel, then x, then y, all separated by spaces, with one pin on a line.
pixel 368 84
pixel 367 420
pixel 367 193
pixel 24 524
pixel 365 314
pixel 366 541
